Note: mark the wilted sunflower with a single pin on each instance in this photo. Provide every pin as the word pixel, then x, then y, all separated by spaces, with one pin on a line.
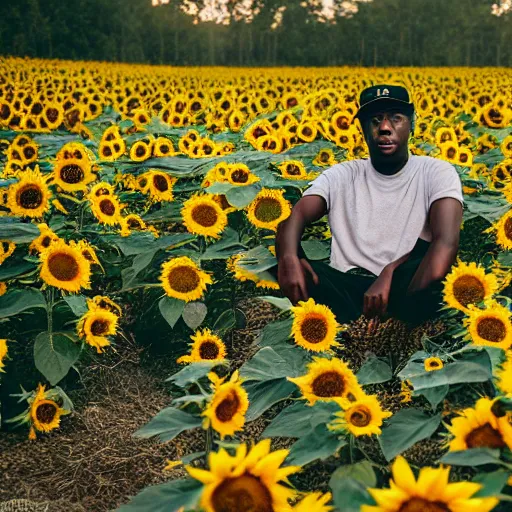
pixel 3 353
pixel 131 222
pixel 268 209
pixel 44 413
pixel 87 251
pixel 362 417
pixel 95 326
pixel 250 476
pixel 30 196
pixel 64 267
pixel 327 379
pixel 479 427
pixel 468 284
pixel 430 493
pixel 102 302
pixel 73 174
pixel 240 174
pixel 7 248
pixel 183 279
pixel 44 240
pixel 159 185
pixel 503 229
pixel 206 346
pixel 202 215
pixel 225 412
pixel 432 364
pixel 314 502
pixel 503 377
pixel 314 326
pixel 293 170
pixel 106 209
pixel 491 327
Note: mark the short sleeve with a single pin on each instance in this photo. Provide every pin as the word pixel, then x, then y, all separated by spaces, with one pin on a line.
pixel 326 184
pixel 444 182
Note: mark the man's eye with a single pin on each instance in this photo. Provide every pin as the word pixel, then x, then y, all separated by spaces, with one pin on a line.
pixel 398 118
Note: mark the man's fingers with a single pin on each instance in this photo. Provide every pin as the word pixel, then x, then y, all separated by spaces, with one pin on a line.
pixel 307 266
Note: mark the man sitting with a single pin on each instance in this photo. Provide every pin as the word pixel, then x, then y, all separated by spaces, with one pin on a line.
pixel 395 220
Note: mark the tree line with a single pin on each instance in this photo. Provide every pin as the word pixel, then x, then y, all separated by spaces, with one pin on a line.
pixel 381 33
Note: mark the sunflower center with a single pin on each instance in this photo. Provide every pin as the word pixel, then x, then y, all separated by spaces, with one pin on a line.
pixel 324 157
pixel 63 267
pixel 507 228
pixel 240 176
pixel 140 151
pixel 293 170
pixel 205 215
pixel 160 183
pixel 451 152
pixel 328 384
pixel 268 210
pixel 468 290
pixel 52 114
pixel 45 242
pixel 485 437
pixel 314 329
pixel 227 408
pixel 422 505
pixel 491 329
pixel 360 417
pixel 107 207
pixel 99 327
pixel 30 197
pixel 245 493
pixel 72 173
pixel 183 279
pixel 29 152
pixel 208 350
pixel 46 412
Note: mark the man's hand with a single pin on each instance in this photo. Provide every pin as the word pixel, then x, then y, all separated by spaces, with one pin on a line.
pixel 376 297
pixel 292 275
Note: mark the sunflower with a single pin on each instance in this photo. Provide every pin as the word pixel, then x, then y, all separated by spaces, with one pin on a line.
pixel 87 251
pixel 293 170
pixel 73 174
pixel 468 284
pixel 225 412
pixel 29 153
pixel 100 189
pixel 268 209
pixel 3 353
pixel 106 209
pixel 506 146
pixel 504 375
pixel 163 147
pixel 44 413
pixel 272 143
pixel 327 379
pixel 183 279
pixel 324 158
pixel 43 241
pixel 95 326
pixel 432 364
pixel 202 215
pixel 314 326
pixel 430 493
pixel 7 248
pixel 362 417
pixel 314 502
pixel 478 427
pixel 450 151
pixel 236 120
pixel 240 174
pixel 130 223
pixel 159 185
pixel 445 134
pixel 53 115
pixel 307 131
pixel 206 346
pixel 503 229
pixel 64 267
pixel 465 157
pixel 491 327
pixel 250 476
pixel 141 150
pixel 102 302
pixel 112 150
pixel 30 196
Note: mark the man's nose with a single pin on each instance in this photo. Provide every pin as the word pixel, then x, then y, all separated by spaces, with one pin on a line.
pixel 385 125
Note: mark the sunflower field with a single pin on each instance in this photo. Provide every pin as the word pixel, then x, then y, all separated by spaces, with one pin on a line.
pixel 143 202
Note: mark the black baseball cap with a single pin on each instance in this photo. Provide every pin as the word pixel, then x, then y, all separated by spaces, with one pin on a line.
pixel 378 97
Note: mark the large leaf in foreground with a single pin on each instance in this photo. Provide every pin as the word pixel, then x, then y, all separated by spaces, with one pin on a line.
pixel 168 423
pixel 349 486
pixel 18 300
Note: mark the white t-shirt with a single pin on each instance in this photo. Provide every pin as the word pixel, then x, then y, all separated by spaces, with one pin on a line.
pixel 375 219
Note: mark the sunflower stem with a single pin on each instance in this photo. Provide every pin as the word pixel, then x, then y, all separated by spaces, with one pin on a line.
pixel 50 301
pixel 208 443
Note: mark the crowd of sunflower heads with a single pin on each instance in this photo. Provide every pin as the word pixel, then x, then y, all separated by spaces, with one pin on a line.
pixel 93 153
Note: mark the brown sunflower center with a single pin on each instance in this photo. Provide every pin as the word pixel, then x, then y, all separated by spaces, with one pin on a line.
pixel 328 384
pixel 245 493
pixel 208 350
pixel 422 505
pixel 160 183
pixel 491 329
pixel 307 131
pixel 107 207
pixel 324 157
pixel 63 267
pixel 240 176
pixel 30 197
pixel 29 152
pixel 183 279
pixel 72 173
pixel 228 407
pixel 314 329
pixel 507 228
pixel 46 412
pixel 451 152
pixel 468 290
pixel 99 327
pixel 293 170
pixel 164 149
pixel 106 151
pixel 140 151
pixel 134 223
pixel 45 242
pixel 433 364
pixel 268 209
pixel 205 215
pixel 52 114
pixel 360 417
pixel 485 437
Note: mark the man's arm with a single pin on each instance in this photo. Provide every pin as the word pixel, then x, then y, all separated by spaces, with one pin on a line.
pixel 291 271
pixel 445 221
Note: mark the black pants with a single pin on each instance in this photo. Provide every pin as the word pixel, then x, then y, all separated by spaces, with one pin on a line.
pixel 343 292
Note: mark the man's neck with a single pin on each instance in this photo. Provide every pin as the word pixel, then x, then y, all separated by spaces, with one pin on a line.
pixel 390 168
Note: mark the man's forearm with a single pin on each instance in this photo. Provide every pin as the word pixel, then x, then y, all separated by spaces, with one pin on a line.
pixel 434 266
pixel 390 267
pixel 289 234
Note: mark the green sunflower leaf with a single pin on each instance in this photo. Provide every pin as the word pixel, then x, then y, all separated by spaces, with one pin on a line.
pixel 169 423
pixel 171 309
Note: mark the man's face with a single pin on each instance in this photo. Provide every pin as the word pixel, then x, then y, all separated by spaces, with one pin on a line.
pixel 387 135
